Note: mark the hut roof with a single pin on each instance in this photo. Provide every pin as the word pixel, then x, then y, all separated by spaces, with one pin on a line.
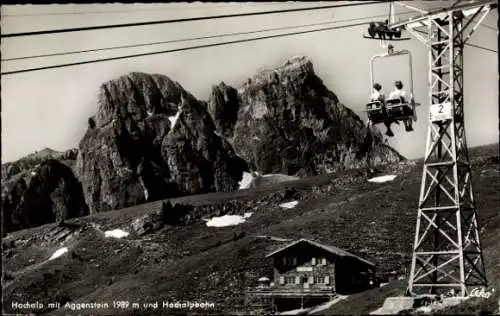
pixel 332 249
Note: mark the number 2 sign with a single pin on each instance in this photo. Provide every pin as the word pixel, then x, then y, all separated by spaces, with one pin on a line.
pixel 440 112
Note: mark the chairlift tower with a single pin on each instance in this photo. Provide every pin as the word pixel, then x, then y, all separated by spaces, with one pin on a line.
pixel 447 253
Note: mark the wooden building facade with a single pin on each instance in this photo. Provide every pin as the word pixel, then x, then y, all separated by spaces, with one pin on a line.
pixel 307 269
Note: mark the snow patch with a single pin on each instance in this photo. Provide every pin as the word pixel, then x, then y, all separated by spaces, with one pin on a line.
pixel 149 113
pixel 280 177
pixel 227 220
pixel 247 215
pixel 33 173
pixel 299 311
pixel 246 180
pixel 58 253
pixel 425 309
pixel 328 304
pixel 173 119
pixel 289 204
pixel 116 233
pixel 382 178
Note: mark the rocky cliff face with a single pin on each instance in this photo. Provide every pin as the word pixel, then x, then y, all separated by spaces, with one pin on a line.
pixel 288 122
pixel 43 194
pixel 223 107
pixel 151 139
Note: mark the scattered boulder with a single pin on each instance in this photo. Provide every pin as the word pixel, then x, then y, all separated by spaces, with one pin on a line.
pixel 185 214
pixel 286 194
pixel 147 224
pixel 177 214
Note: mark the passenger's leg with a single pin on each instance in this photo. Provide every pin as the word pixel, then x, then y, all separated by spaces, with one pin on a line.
pixel 389 131
pixel 410 125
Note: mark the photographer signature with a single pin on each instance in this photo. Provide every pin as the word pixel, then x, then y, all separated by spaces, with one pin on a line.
pixel 480 292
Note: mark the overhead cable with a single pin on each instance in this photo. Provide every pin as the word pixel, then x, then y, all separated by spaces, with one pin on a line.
pixel 182 49
pixel 100 27
pixel 192 38
pixel 134 10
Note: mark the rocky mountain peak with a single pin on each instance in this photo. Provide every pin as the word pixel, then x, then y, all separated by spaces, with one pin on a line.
pixel 139 95
pixel 288 122
pixel 151 139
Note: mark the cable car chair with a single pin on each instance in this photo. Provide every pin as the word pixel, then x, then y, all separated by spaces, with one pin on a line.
pixel 390 111
pixel 396 110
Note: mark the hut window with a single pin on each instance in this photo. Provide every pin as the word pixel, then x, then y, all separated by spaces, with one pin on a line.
pixel 313 261
pixel 322 261
pixel 319 279
pixel 290 280
pixel 289 261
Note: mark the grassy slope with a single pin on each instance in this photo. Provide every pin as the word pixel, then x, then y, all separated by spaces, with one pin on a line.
pixel 486 178
pixel 373 220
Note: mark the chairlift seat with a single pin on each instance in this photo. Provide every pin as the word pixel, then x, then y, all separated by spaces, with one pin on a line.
pixel 398 110
pixel 375 112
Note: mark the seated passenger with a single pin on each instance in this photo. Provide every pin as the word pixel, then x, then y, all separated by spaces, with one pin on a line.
pixel 398 92
pixel 376 94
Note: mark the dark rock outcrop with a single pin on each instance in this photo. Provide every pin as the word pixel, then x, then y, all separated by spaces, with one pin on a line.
pixel 223 107
pixel 147 224
pixel 45 194
pixel 150 139
pixel 185 214
pixel 32 160
pixel 289 122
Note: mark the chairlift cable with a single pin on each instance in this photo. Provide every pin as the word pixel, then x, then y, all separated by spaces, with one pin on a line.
pixel 135 10
pixel 182 49
pixel 212 17
pixel 191 38
pixel 481 47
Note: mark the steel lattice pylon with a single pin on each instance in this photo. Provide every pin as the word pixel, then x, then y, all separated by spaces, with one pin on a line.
pixel 447 251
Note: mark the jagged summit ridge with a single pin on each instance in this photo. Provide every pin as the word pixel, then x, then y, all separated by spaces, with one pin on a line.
pixel 288 122
pixel 151 139
pixel 138 95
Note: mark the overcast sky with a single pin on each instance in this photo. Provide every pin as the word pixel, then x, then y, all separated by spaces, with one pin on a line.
pixel 50 108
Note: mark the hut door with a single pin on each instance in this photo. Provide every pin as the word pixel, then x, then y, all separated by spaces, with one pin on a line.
pixel 305 281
